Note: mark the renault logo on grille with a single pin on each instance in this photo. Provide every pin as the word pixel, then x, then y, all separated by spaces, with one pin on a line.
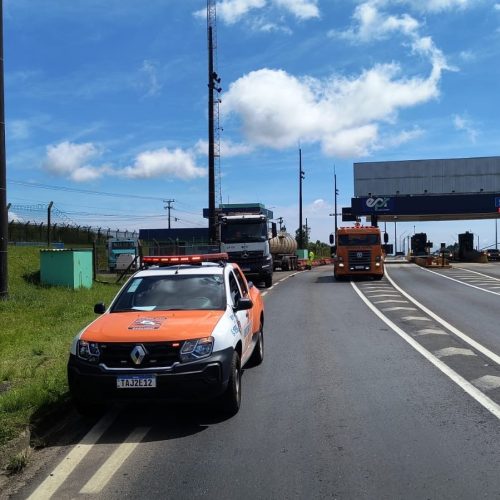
pixel 138 353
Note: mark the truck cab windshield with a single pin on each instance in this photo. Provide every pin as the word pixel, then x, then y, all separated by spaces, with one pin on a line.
pixel 247 232
pixel 358 239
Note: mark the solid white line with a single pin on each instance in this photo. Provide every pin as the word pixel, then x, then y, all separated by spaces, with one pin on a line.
pixel 457 281
pixel 481 398
pixel 72 459
pixel 476 345
pixel 101 478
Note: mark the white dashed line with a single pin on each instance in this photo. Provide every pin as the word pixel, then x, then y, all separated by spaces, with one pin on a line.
pixel 384 295
pixel 72 459
pixel 476 345
pixel 431 331
pixel 387 301
pixel 415 318
pixel 399 308
pixel 458 281
pixel 487 383
pixel 453 351
pixel 466 386
pixel 101 478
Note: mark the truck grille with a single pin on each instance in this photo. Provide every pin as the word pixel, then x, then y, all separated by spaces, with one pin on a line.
pixel 359 260
pixel 158 354
pixel 245 259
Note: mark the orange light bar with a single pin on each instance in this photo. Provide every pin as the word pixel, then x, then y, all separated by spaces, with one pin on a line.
pixel 183 259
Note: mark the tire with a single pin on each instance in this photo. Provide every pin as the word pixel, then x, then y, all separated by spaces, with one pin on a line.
pixel 258 351
pixel 268 281
pixel 378 277
pixel 231 399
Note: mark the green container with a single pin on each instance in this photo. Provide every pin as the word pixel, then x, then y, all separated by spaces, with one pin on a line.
pixel 70 268
pixel 302 254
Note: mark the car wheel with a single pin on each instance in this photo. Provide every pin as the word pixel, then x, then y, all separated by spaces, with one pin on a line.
pixel 258 351
pixel 231 399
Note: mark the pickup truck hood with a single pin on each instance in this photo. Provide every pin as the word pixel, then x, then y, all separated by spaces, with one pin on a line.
pixel 152 326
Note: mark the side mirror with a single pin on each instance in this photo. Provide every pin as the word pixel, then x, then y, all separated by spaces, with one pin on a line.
pixel 386 238
pixel 332 239
pixel 100 308
pixel 274 232
pixel 243 304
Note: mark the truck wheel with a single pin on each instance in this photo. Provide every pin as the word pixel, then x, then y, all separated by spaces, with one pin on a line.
pixel 268 282
pixel 231 399
pixel 258 351
pixel 378 277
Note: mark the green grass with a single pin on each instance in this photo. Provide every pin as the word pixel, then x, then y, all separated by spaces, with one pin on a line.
pixel 37 324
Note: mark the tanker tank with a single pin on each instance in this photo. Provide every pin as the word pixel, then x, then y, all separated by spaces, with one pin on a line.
pixel 283 247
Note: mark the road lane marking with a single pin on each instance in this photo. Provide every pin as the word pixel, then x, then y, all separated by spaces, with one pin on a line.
pixel 453 351
pixel 480 274
pixel 399 308
pixel 68 464
pixel 383 295
pixel 476 345
pixel 431 331
pixel 470 389
pixel 101 478
pixel 387 301
pixel 487 383
pixel 457 281
pixel 415 318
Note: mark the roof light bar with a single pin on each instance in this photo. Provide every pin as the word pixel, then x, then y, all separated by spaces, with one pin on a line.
pixel 169 260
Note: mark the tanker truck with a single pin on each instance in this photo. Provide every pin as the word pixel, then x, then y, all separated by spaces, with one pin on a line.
pixel 283 247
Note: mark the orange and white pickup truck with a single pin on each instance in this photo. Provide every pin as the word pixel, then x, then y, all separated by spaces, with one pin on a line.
pixel 181 328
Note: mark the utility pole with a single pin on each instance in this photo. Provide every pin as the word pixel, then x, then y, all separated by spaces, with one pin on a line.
pixel 168 207
pixel 280 222
pixel 336 191
pixel 307 232
pixel 49 209
pixel 4 234
pixel 302 175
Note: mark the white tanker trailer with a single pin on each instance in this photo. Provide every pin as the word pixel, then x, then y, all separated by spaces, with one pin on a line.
pixel 283 247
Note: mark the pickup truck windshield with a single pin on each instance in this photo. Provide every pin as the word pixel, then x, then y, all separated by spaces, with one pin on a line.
pixel 173 292
pixel 234 232
pixel 358 239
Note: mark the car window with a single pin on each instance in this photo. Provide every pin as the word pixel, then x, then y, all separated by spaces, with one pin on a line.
pixel 241 282
pixel 234 290
pixel 172 292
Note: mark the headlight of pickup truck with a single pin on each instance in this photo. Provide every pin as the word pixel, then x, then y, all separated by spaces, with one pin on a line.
pixel 197 349
pixel 89 351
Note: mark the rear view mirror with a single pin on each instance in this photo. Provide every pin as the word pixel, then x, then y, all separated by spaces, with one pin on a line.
pixel 243 304
pixel 332 239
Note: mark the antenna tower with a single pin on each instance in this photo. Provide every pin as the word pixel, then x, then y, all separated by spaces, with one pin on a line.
pixel 214 89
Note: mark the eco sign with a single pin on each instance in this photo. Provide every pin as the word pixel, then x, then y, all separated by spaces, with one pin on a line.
pixel 379 204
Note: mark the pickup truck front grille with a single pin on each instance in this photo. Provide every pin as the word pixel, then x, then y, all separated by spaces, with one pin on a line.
pixel 158 354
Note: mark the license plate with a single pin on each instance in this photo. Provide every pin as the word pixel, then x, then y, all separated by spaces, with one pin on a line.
pixel 359 267
pixel 136 382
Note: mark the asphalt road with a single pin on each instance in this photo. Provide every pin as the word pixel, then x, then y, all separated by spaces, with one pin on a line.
pixel 342 407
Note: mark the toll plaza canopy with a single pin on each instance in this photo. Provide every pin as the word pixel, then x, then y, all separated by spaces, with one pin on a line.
pixel 419 190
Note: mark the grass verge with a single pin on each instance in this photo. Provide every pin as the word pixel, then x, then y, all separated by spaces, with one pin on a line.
pixel 36 328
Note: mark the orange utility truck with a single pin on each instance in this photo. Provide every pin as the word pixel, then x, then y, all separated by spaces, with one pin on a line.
pixel 358 252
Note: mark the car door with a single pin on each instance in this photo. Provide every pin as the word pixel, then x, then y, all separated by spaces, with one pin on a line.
pixel 243 318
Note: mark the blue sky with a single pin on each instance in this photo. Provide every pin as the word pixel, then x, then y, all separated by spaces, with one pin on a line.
pixel 110 96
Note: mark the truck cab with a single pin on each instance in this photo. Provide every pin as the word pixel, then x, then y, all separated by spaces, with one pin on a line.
pixel 358 252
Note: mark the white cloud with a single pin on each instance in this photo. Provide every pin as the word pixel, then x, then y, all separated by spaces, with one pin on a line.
pixel 372 24
pixel 438 5
pixel 277 109
pixel 467 55
pixel 497 6
pixel 227 148
pixel 71 160
pixel 164 163
pixel 18 129
pixel 233 11
pixel 152 85
pixel 463 123
pixel 302 9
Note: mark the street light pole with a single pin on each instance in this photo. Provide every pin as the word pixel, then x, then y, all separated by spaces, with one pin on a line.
pixel 4 222
pixel 336 194
pixel 301 177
